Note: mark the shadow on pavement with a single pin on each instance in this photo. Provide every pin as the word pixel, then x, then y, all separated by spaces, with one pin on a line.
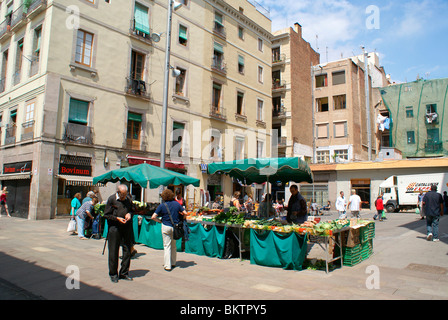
pixel 23 280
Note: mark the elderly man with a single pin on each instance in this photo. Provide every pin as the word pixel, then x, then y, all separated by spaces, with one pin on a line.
pixel 118 212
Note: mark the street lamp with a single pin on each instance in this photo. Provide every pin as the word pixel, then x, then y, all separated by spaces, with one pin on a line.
pixel 172 5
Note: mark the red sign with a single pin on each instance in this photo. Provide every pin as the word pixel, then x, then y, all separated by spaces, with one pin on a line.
pixel 75 170
pixel 18 167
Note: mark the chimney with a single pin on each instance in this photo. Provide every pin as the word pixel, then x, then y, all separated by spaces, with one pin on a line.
pixel 298 29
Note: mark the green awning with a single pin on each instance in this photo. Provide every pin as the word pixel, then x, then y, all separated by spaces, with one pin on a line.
pixel 260 170
pixel 218 47
pixel 218 18
pixel 141 18
pixel 78 111
pixel 241 60
pixel 134 117
pixel 183 33
pixel 147 176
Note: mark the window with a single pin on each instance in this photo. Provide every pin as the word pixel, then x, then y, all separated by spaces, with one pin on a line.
pixel 276 106
pixel 78 111
pixel 183 35
pixel 276 54
pixel 141 19
pixel 29 112
pixel 216 98
pixel 28 125
pixel 260 44
pixel 341 155
pixel 84 43
pixel 3 71
pixel 218 56
pixel 137 65
pixel 215 148
pixel 321 81
pixel 180 82
pixel 239 148
pixel 241 32
pixel 432 136
pixel 260 149
pixel 409 112
pixel 133 130
pixel 36 51
pixel 176 140
pixel 339 102
pixel 323 131
pixel 340 129
pixel 239 102
pixel 411 137
pixel 260 106
pixel 323 156
pixel 19 58
pixel 241 64
pixel 338 77
pixel 322 104
pixel 260 74
pixel 219 25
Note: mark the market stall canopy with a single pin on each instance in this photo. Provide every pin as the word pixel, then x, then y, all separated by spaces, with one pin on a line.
pixel 147 175
pixel 260 170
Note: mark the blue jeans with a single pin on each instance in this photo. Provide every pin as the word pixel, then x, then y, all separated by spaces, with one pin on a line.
pixel 432 226
pixel 80 222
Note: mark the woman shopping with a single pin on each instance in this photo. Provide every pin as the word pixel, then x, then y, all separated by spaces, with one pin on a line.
pixel 3 201
pixel 162 215
pixel 75 204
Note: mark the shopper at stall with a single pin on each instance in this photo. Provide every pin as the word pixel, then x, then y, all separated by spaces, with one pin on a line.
pixel 235 201
pixel 88 197
pixel 162 216
pixel 179 197
pixel 265 209
pixel 118 212
pixel 296 210
pixel 4 205
pixel 433 204
pixel 75 205
pixel 85 211
pixel 354 203
pixel 341 205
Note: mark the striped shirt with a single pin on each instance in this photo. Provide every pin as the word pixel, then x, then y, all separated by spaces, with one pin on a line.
pixel 86 207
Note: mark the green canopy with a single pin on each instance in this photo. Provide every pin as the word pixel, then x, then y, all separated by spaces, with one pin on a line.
pixel 144 173
pixel 260 170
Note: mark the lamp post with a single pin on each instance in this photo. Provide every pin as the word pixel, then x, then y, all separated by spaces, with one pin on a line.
pixel 172 4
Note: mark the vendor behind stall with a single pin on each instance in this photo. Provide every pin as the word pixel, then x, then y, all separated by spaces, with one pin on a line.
pixel 296 211
pixel 265 209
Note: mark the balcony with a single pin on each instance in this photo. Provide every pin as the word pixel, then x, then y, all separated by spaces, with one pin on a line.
pixel 137 88
pixel 139 35
pixel 219 30
pixel 278 112
pixel 218 113
pixel 278 59
pixel 278 86
pixel 282 142
pixel 219 66
pixel 5 28
pixel 78 133
pixel 27 131
pixel 36 7
pixel 18 17
pixel 10 134
pixel 433 147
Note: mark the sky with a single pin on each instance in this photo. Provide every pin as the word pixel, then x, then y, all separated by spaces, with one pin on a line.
pixel 410 37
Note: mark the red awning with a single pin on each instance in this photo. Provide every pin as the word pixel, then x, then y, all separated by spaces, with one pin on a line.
pixel 156 162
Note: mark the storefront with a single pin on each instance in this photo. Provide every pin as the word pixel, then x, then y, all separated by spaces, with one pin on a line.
pixel 17 178
pixel 74 175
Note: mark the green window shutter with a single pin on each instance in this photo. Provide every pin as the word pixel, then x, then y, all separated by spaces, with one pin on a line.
pixel 78 111
pixel 141 18
pixel 134 117
pixel 177 125
pixel 218 47
pixel 241 60
pixel 218 18
pixel 183 33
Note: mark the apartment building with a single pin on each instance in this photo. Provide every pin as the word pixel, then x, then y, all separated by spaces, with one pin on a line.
pixel 340 115
pixel 82 94
pixel 292 58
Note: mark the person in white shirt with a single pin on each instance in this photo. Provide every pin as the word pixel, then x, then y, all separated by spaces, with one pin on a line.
pixel 341 205
pixel 354 203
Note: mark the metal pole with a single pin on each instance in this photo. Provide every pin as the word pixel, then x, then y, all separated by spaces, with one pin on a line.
pixel 369 135
pixel 166 84
pixel 313 119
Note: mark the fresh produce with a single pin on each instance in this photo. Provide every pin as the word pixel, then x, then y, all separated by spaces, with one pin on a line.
pixel 99 208
pixel 229 217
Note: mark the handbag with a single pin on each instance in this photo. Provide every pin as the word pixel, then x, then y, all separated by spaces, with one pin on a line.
pixel 178 229
pixel 71 225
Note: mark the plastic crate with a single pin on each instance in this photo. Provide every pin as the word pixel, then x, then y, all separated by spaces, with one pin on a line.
pixel 367 233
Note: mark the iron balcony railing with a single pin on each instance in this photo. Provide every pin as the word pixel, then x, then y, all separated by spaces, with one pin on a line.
pixel 137 87
pixel 78 133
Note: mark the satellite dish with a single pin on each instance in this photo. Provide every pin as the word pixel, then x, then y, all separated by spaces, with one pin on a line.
pixel 155 37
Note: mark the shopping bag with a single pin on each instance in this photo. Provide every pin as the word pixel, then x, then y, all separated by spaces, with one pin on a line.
pixel 383 215
pixel 417 211
pixel 71 225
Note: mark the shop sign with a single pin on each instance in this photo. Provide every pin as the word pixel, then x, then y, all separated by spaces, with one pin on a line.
pixel 75 170
pixel 17 167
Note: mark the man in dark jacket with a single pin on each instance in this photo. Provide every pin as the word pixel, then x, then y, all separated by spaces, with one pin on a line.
pixel 296 211
pixel 433 203
pixel 118 212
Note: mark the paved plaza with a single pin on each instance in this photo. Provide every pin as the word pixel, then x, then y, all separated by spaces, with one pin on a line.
pixel 37 259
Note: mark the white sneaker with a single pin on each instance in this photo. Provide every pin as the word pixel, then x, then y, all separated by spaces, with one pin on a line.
pixel 429 237
pixel 435 240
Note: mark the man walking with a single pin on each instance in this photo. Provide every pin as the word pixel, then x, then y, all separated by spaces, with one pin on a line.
pixel 118 212
pixel 341 205
pixel 433 204
pixel 354 203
